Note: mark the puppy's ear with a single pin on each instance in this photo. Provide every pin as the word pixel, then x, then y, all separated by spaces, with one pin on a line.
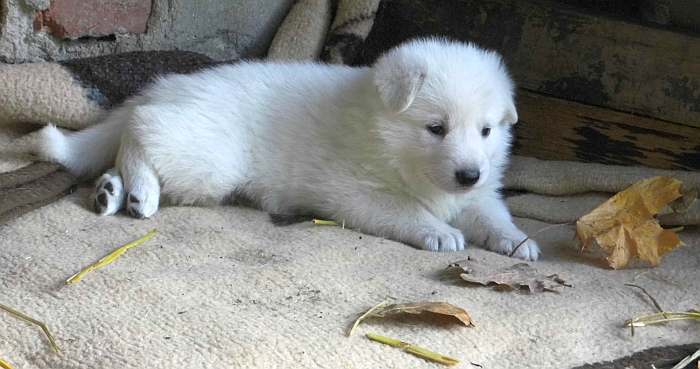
pixel 398 81
pixel 511 115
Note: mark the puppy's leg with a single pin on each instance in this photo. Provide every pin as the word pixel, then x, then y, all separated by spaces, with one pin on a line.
pixel 109 193
pixel 400 220
pixel 140 180
pixel 487 222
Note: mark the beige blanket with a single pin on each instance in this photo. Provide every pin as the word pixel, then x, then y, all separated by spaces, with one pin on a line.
pixel 223 288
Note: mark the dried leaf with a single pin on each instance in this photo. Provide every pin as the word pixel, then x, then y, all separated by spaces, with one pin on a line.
pixel 518 276
pixel 625 227
pixel 441 308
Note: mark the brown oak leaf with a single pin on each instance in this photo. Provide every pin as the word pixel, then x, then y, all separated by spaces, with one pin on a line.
pixel 515 277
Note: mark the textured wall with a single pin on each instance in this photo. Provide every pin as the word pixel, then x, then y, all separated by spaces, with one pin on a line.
pixel 35 30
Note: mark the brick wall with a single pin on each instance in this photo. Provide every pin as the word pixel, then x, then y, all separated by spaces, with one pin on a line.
pixel 72 19
pixel 35 30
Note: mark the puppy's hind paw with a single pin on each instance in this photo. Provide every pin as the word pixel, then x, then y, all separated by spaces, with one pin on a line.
pixel 139 207
pixel 109 193
pixel 441 239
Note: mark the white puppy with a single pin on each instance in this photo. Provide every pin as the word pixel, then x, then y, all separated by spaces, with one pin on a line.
pixel 412 149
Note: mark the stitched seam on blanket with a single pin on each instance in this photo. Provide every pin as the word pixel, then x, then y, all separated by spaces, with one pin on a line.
pixel 353 21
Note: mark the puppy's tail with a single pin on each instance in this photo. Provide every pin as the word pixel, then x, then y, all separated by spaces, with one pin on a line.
pixel 84 153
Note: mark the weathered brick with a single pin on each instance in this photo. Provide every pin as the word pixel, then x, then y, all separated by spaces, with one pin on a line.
pixel 93 18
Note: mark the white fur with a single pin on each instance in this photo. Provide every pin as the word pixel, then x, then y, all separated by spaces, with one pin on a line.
pixel 343 143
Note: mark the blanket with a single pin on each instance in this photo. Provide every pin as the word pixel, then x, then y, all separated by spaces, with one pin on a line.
pixel 222 287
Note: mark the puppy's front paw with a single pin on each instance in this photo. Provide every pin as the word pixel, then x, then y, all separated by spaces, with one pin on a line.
pixel 505 245
pixel 441 239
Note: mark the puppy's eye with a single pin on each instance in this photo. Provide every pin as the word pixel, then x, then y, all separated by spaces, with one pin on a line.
pixel 485 132
pixel 437 129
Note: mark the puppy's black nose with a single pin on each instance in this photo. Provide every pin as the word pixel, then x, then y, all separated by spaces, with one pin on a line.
pixel 467 177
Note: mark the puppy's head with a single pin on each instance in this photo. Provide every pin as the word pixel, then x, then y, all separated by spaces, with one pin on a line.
pixel 448 108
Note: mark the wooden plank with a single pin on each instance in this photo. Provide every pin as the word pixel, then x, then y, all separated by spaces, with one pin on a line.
pixel 556 129
pixel 559 50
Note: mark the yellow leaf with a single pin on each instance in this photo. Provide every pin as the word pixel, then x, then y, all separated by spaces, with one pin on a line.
pixel 625 227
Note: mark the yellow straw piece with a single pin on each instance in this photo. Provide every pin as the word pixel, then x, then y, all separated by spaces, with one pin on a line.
pixel 413 349
pixel 110 258
pixel 22 316
pixel 5 365
pixel 662 317
pixel 324 222
pixel 366 314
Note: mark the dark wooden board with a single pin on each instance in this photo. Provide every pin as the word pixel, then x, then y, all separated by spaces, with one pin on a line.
pixel 562 51
pixel 556 129
pixel 663 357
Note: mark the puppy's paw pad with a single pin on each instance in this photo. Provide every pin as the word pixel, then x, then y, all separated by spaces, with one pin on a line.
pixel 140 208
pixel 109 195
pixel 109 187
pixel 132 199
pixel 133 206
pixel 447 239
pixel 101 199
pixel 134 212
